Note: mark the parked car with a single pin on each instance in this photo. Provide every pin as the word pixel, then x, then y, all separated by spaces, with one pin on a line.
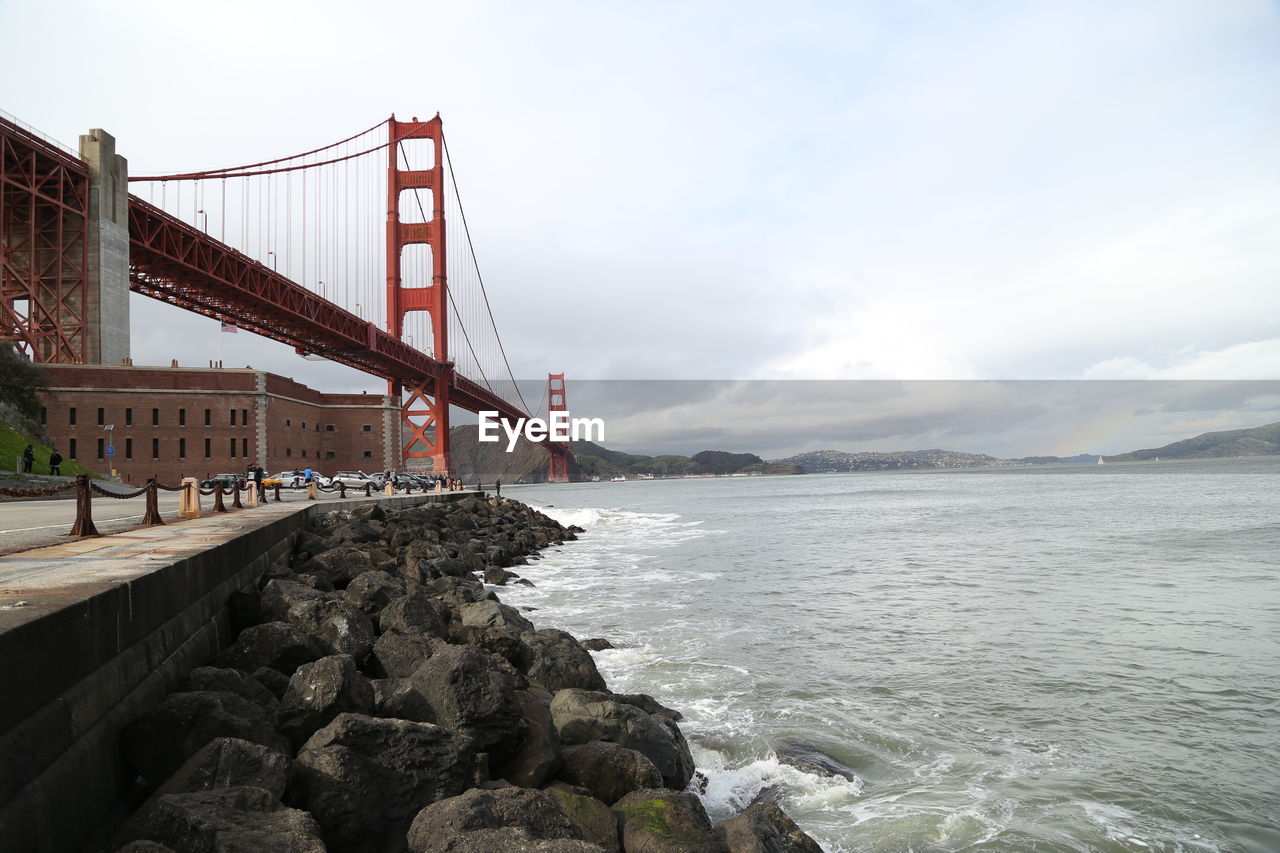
pixel 297 479
pixel 227 481
pixel 269 481
pixel 353 479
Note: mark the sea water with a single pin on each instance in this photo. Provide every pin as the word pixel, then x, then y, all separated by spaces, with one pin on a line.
pixel 1066 658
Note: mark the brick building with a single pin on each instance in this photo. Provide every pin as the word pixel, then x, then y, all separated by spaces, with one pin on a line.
pixel 174 422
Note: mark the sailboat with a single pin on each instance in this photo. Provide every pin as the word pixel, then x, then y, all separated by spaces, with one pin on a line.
pixel 1100 462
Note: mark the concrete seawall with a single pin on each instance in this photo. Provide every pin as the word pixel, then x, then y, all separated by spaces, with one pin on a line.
pixel 95 632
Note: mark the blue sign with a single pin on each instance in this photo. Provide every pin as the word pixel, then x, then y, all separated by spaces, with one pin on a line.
pixel 111 450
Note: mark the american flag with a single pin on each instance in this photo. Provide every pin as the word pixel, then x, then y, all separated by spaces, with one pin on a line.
pixel 229 328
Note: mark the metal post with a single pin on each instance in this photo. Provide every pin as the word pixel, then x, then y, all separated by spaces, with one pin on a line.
pixel 235 496
pixel 277 493
pixel 84 509
pixel 218 505
pixel 153 503
pixel 342 489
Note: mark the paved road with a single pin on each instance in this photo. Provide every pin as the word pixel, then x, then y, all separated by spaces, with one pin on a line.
pixel 35 524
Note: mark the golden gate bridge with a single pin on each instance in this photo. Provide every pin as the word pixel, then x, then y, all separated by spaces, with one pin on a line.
pixel 341 251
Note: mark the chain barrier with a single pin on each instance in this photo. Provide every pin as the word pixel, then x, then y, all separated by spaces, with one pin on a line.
pixel 85 488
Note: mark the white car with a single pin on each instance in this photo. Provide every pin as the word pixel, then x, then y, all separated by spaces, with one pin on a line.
pixel 297 479
pixel 353 479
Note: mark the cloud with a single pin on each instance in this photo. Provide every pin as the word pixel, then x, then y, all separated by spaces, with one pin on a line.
pixel 1251 360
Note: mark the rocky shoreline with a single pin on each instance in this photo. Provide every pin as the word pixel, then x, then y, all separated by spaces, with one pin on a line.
pixel 379 699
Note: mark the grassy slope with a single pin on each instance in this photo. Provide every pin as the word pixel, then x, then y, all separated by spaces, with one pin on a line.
pixel 12 443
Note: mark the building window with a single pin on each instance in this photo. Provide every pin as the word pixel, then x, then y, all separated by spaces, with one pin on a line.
pixel 155 417
pixel 244 447
pixel 182 417
pixel 128 417
pixel 233 448
pixel 155 448
pixel 102 416
pixel 71 416
pixel 102 448
pixel 208 417
pixel 244 416
pixel 368 454
pixel 182 448
pixel 304 424
pixel 71 446
pixel 317 427
pixel 44 416
pixel 328 427
pixel 304 453
pixel 208 447
pixel 288 451
pixel 128 448
pixel 288 422
pixel 367 428
pixel 233 417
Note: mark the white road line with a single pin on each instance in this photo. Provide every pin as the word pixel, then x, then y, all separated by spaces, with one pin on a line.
pixel 64 524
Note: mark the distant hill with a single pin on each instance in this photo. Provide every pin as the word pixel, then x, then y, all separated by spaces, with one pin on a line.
pixel 527 463
pixel 828 461
pixel 1257 441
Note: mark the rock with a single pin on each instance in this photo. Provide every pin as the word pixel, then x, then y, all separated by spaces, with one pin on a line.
pixel 501 642
pixel 230 819
pixel 649 705
pixel 813 760
pixel 372 591
pixel 765 828
pixel 595 820
pixel 467 690
pixel 366 778
pixel 162 738
pixel 498 576
pixel 279 595
pixel 145 847
pixel 501 818
pixel 318 692
pixel 558 662
pixel 483 614
pixel 315 581
pixel 221 763
pixel 582 716
pixel 455 592
pixel 273 679
pixel 525 582
pixel 537 757
pixel 244 610
pixel 665 821
pixel 231 681
pixel 397 654
pixel 340 626
pixel 417 612
pixel 278 645
pixel 341 565
pixel 609 771
pixel 597 644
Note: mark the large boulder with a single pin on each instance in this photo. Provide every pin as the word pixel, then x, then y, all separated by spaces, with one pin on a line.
pixel 231 681
pixel 365 779
pixel 537 757
pixel 666 821
pixel 221 763
pixel 278 645
pixel 318 692
pixel 163 737
pixel 280 594
pixel 467 690
pixel 341 565
pixel 455 591
pixel 417 612
pixel 582 716
pixel 502 819
pixel 765 828
pixel 340 626
pixel 557 661
pixel 224 820
pixel 595 820
pixel 485 614
pixel 608 770
pixel 372 591
pixel 397 654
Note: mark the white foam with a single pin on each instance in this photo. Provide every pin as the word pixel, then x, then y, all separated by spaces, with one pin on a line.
pixel 729 790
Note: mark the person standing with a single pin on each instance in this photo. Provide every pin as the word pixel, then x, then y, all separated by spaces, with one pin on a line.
pixel 257 482
pixel 55 464
pixel 497 488
pixel 28 459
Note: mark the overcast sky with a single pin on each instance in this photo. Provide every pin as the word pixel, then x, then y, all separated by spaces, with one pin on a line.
pixel 738 190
